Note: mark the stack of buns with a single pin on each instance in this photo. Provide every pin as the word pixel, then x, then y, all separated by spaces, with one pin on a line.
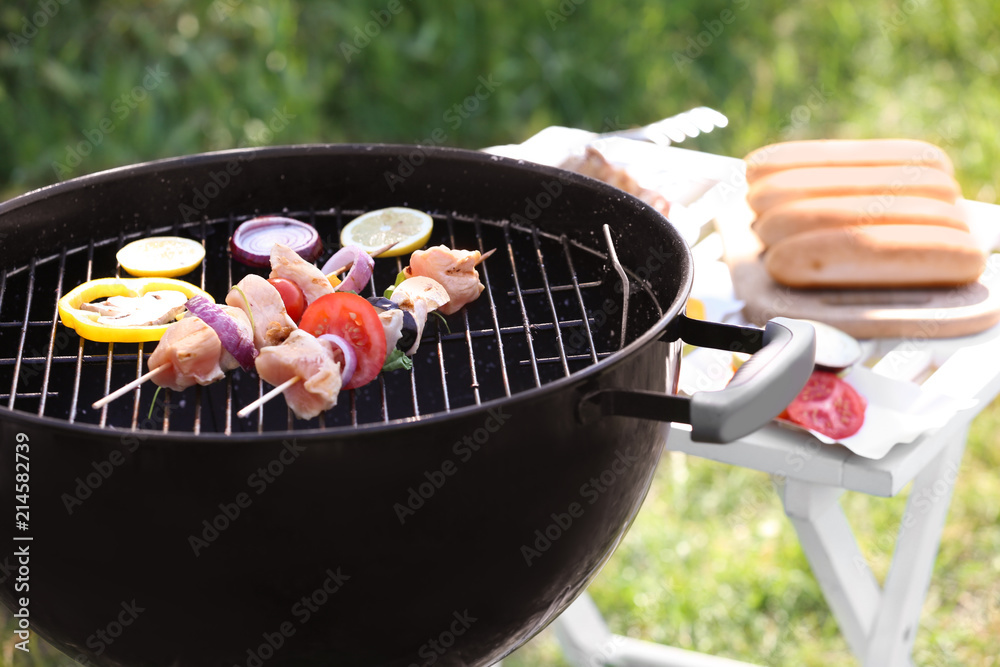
pixel 877 213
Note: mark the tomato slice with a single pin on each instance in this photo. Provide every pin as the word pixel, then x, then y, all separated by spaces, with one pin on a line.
pixel 829 406
pixel 292 296
pixel 351 317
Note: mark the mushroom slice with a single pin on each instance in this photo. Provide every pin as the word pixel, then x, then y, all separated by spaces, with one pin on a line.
pixel 420 296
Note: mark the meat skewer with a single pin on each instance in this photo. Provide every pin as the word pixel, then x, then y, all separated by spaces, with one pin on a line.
pixel 191 352
pixel 454 270
pixel 304 370
pixel 301 366
pixel 273 393
pixel 121 391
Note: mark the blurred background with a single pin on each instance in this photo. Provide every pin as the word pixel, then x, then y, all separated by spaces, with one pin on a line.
pixel 711 564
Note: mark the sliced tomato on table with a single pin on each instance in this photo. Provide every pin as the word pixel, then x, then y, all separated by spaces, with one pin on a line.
pixel 828 405
pixel 351 317
pixel 291 296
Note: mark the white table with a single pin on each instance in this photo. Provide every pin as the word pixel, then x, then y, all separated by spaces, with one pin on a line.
pixel 879 623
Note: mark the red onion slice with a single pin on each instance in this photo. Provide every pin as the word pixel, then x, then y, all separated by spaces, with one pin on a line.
pixel 350 359
pixel 253 240
pixel 360 273
pixel 235 342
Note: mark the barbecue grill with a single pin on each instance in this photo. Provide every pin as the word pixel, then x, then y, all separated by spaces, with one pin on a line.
pixel 442 515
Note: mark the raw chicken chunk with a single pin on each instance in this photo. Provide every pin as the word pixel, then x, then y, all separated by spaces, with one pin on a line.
pixel 595 165
pixel 271 323
pixel 191 351
pixel 310 359
pixel 286 263
pixel 455 270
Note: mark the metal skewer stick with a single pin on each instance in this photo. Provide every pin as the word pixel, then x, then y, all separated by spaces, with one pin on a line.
pixel 280 389
pixel 121 391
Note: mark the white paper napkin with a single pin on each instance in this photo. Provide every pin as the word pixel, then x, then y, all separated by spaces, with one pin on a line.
pixel 897 412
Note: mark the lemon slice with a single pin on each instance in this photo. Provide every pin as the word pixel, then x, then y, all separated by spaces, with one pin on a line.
pixel 161 256
pixel 695 309
pixel 408 228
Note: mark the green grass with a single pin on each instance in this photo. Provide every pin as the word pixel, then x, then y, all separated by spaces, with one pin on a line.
pixel 711 563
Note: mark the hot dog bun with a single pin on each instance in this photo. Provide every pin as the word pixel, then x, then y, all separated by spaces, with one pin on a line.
pixel 897 180
pixel 844 153
pixel 876 256
pixel 803 215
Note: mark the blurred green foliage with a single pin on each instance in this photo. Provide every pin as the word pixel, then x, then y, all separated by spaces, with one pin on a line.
pixel 72 75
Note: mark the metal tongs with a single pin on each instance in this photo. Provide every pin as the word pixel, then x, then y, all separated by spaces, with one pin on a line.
pixel 675 129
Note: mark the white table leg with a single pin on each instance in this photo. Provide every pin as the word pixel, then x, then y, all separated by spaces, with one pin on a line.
pixel 847 582
pixel 913 560
pixel 879 625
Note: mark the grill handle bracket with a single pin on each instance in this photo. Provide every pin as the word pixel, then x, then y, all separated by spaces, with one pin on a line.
pixel 783 357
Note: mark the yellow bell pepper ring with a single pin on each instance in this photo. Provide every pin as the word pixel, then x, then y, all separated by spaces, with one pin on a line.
pixel 84 322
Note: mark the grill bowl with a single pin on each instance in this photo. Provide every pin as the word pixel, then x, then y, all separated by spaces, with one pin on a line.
pixel 442 518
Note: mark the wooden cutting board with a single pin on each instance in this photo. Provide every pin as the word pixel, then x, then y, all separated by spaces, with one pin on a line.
pixel 874 313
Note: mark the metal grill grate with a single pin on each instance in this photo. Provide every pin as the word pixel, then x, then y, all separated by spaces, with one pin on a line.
pixel 551 307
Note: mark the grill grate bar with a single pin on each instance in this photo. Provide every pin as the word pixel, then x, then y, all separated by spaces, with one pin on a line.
pixel 111 348
pixel 228 428
pixel 52 336
pixel 137 394
pixel 204 270
pixel 32 323
pixel 30 394
pixel 579 298
pixel 493 312
pixel 166 411
pixel 444 376
pixel 465 320
pixel 562 288
pixel 571 357
pixel 197 409
pixel 67 359
pixel 552 303
pixel 3 290
pixel 107 384
pixel 520 302
pixel 79 352
pixel 24 333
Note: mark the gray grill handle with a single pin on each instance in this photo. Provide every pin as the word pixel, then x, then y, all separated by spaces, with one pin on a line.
pixel 783 357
